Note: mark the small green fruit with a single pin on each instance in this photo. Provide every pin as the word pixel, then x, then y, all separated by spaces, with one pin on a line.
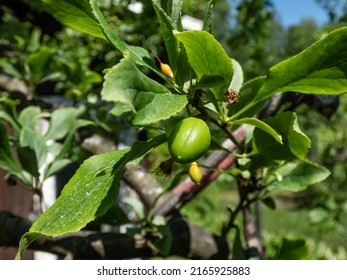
pixel 189 140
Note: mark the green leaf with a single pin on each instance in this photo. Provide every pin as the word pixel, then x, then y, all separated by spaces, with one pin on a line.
pixel 7 66
pixel 261 125
pixel 5 116
pixel 76 14
pixel 29 116
pixel 61 123
pixel 167 27
pixel 25 241
pixel 56 166
pixel 170 19
pixel 60 151
pixel 298 176
pixel 114 216
pixel 110 34
pixel 295 143
pixel 39 63
pixel 132 91
pixel 319 69
pixel 154 107
pixel 208 17
pixel 209 81
pixel 173 9
pixel 89 193
pixel 175 14
pixel 159 220
pixel 243 162
pixel 92 186
pixel 28 160
pixel 81 123
pixel 238 252
pixel 139 55
pixel 269 202
pixel 34 140
pixel 89 78
pixel 140 148
pixel 183 71
pixel 34 41
pixel 136 205
pixel 237 81
pixel 7 161
pixel 4 144
pixel 318 215
pixel 164 242
pixel 8 112
pixel 292 250
pixel 207 58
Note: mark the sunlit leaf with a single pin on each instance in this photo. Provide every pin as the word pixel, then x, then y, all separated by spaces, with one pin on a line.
pixel 89 193
pixel 298 176
pixel 261 125
pixel 207 58
pixel 319 69
pixel 76 14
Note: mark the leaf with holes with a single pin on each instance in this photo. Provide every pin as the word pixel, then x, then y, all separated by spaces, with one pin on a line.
pixel 89 193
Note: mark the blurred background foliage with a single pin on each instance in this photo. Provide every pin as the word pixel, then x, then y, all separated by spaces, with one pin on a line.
pixel 52 62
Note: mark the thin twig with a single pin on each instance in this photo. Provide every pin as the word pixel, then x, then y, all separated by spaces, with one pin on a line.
pixel 231 223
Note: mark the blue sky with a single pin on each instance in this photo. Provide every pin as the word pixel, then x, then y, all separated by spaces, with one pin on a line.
pixel 292 11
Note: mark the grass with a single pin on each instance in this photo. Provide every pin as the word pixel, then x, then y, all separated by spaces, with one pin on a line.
pixel 209 210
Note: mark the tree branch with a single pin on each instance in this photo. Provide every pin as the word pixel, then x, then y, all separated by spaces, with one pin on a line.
pixel 188 241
